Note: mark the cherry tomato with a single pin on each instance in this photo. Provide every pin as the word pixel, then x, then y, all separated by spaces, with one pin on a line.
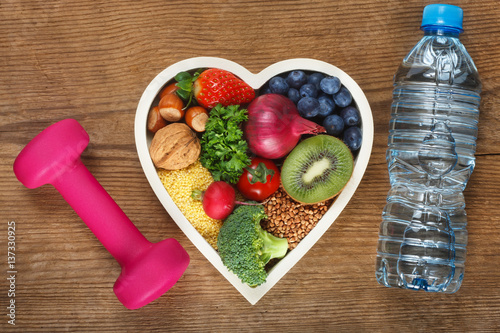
pixel 259 180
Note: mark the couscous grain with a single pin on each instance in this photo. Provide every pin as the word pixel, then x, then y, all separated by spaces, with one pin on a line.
pixel 179 185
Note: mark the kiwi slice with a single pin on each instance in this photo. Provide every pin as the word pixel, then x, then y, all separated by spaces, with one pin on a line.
pixel 317 169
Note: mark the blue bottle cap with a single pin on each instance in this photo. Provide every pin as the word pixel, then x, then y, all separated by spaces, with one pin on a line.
pixel 437 16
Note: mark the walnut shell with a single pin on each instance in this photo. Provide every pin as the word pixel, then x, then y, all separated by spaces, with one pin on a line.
pixel 174 147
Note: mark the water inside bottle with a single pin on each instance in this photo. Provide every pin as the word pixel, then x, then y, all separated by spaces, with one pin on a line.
pixel 437 155
pixel 430 156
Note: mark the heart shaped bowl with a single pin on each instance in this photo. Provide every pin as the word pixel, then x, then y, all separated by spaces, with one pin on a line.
pixel 143 139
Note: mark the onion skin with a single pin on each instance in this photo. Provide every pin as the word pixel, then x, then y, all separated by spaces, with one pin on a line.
pixel 274 126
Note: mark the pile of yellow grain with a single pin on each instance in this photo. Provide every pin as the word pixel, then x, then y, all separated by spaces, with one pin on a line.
pixel 179 185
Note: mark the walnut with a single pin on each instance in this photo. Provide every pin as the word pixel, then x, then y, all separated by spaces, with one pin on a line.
pixel 174 147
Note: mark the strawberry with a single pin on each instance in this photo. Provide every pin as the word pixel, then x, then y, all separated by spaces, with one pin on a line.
pixel 214 86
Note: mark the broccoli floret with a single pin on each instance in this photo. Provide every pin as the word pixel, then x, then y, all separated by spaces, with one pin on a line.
pixel 245 248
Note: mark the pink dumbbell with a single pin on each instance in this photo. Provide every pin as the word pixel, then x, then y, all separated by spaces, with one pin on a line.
pixel 148 269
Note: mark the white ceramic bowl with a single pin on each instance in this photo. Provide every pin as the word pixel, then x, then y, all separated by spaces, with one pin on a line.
pixel 143 139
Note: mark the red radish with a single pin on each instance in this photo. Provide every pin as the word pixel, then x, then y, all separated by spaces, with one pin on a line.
pixel 274 126
pixel 218 200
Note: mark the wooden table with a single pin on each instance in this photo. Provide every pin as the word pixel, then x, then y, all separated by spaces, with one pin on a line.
pixel 91 60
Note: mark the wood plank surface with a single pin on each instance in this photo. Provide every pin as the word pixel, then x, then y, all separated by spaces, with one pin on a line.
pixel 91 61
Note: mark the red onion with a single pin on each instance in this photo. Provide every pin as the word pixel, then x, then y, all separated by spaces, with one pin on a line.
pixel 274 126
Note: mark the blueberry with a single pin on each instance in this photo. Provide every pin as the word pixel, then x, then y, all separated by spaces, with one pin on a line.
pixel 315 78
pixel 308 90
pixel 330 85
pixel 351 116
pixel 327 105
pixel 308 107
pixel 353 137
pixel 296 79
pixel 343 98
pixel 278 85
pixel 293 95
pixel 334 125
pixel 266 90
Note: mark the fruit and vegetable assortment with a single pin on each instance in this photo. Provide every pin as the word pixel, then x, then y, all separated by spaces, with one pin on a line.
pixel 293 140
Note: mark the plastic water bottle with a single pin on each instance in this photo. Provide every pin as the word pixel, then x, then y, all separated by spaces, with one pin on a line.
pixel 430 157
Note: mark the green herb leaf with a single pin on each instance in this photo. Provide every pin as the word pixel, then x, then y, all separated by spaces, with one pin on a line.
pixel 223 149
pixel 183 76
pixel 185 83
pixel 183 94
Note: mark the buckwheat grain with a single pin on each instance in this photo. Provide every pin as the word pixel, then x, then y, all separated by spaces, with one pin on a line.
pixel 290 219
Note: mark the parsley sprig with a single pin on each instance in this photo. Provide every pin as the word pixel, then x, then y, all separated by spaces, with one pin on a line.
pixel 223 149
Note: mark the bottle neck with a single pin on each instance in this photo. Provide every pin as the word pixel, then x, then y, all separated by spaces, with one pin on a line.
pixel 441 31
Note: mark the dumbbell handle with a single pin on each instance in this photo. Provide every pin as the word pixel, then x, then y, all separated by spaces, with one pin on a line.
pixel 100 212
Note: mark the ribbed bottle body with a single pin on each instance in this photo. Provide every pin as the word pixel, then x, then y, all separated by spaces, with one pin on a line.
pixel 430 157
